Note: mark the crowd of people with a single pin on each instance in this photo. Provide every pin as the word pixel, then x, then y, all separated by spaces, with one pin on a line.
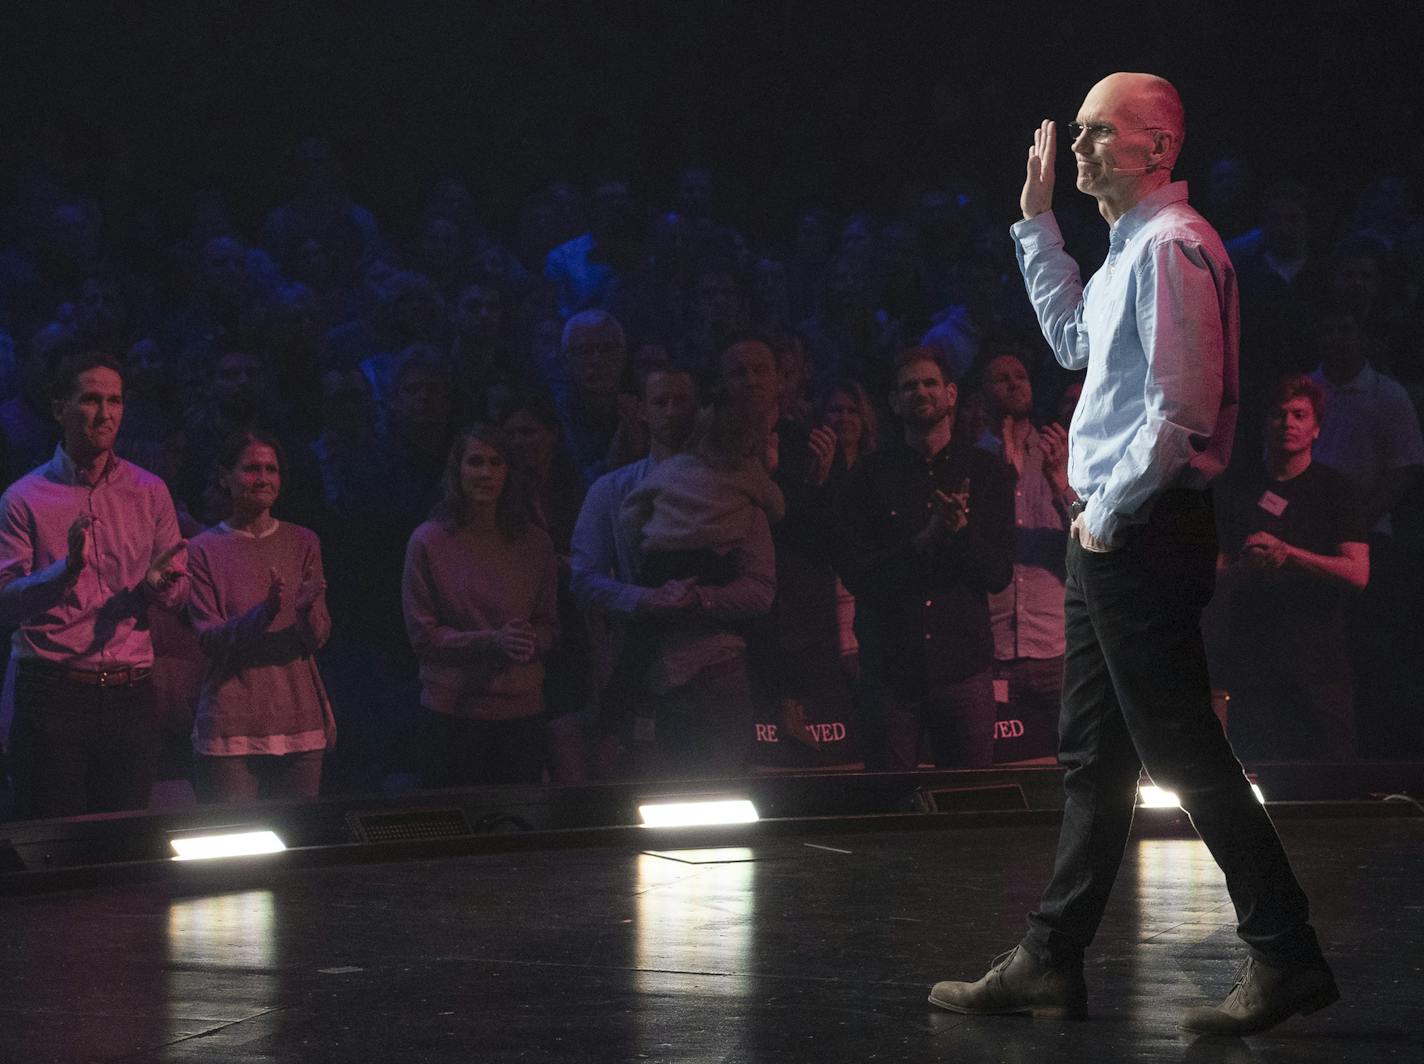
pixel 347 505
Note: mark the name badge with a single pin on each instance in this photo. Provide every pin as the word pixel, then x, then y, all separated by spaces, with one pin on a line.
pixel 1273 504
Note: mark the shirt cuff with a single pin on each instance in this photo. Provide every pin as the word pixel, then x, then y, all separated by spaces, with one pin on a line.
pixel 1037 233
pixel 1102 523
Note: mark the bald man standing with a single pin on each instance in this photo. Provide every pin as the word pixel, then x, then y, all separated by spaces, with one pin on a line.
pixel 1156 329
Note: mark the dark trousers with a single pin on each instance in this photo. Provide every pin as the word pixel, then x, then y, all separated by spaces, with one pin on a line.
pixel 78 749
pixel 1135 693
pixel 704 728
pixel 1032 698
pixel 957 716
pixel 459 752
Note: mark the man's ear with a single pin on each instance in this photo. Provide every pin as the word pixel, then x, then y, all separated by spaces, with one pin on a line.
pixel 951 391
pixel 1166 147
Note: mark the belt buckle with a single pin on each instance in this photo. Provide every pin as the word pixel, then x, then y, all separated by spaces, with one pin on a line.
pixel 102 679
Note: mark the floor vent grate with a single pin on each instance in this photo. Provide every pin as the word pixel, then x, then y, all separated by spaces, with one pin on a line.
pixel 408 824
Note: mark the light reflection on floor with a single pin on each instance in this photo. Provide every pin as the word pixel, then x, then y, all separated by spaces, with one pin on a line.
pixel 1185 863
pixel 695 917
pixel 226 930
pixel 224 960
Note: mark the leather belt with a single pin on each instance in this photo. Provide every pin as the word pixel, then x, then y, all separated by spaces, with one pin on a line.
pixel 120 676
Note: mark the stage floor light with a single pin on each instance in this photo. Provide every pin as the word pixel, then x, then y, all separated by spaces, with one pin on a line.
pixel 229 844
pixel 688 814
pixel 1152 797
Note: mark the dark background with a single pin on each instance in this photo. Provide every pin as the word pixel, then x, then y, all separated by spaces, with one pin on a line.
pixel 793 102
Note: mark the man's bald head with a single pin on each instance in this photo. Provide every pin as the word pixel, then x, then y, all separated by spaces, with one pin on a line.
pixel 1139 101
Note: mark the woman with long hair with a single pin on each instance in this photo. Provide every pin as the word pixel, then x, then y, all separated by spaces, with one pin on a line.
pixel 480 609
pixel 846 410
pixel 258 605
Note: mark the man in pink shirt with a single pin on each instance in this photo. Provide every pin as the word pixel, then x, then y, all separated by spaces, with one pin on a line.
pixel 88 542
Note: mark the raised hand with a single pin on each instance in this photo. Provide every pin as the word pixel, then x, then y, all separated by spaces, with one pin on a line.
pixel 79 540
pixel 516 641
pixel 164 572
pixel 1037 195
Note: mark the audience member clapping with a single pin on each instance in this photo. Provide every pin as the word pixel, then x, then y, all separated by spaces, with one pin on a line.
pixel 258 603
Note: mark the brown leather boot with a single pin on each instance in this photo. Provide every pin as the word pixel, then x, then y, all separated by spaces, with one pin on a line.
pixel 1264 996
pixel 1018 984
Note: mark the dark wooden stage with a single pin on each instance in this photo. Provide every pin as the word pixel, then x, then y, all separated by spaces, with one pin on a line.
pixel 803 944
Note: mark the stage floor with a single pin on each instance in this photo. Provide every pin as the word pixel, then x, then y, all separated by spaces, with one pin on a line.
pixel 804 950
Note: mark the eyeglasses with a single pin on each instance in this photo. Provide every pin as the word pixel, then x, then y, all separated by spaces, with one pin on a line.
pixel 1097 134
pixel 597 347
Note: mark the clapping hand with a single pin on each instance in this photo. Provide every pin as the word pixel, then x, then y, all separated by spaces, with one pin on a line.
pixel 516 641
pixel 1037 196
pixel 79 540
pixel 949 512
pixel 1053 441
pixel 308 593
pixel 823 455
pixel 953 507
pixel 164 573
pixel 276 589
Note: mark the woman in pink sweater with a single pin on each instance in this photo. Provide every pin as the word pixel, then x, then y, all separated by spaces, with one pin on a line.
pixel 259 607
pixel 480 608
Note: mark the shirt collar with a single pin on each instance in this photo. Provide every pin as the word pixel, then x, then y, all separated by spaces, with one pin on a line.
pixel 913 456
pixel 1129 224
pixel 68 472
pixel 242 533
pixel 1358 383
pixel 991 441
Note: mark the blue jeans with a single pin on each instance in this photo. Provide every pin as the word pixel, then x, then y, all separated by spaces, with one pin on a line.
pixel 1135 693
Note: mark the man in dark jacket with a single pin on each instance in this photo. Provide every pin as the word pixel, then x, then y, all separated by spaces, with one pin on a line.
pixel 928 529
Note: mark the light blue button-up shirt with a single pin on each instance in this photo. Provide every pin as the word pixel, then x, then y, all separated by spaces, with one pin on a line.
pixel 1157 328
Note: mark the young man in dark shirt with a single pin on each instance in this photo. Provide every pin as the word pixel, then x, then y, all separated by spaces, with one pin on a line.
pixel 1294 541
